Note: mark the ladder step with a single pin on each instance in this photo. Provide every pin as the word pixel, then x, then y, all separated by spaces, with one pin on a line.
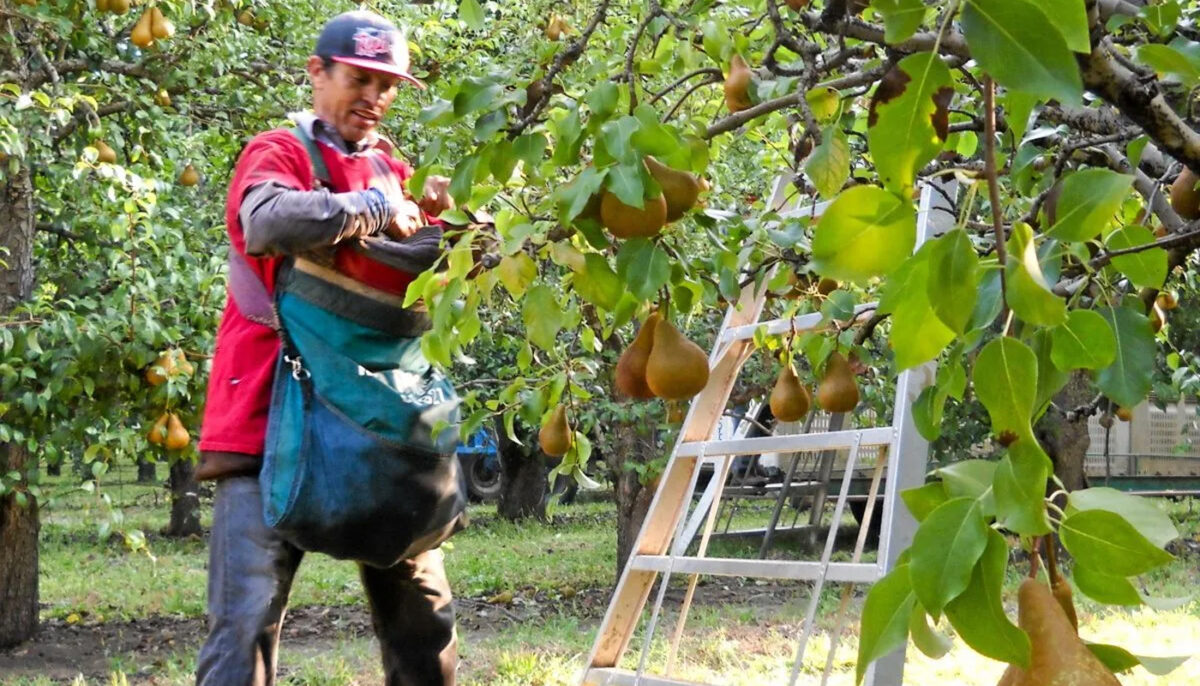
pixel 790 443
pixel 772 490
pixel 801 323
pixel 606 676
pixel 859 572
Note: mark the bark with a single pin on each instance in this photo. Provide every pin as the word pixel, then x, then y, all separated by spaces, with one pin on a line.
pixel 1067 441
pixel 185 500
pixel 18 524
pixel 522 477
pixel 631 447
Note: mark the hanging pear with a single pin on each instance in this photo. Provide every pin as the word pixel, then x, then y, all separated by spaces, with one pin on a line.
pixel 555 435
pixel 177 436
pixel 160 26
pixel 677 368
pixel 105 153
pixel 626 221
pixel 118 6
pixel 1185 199
pixel 143 33
pixel 837 391
pixel 158 433
pixel 631 367
pixel 789 398
pixel 163 367
pixel 189 176
pixel 1063 594
pixel 162 98
pixel 797 4
pixel 182 364
pixel 737 85
pixel 1058 656
pixel 102 5
pixel 680 189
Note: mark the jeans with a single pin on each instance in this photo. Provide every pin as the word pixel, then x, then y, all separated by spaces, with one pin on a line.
pixel 249 578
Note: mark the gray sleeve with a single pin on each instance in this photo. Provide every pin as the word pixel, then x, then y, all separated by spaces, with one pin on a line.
pixel 277 219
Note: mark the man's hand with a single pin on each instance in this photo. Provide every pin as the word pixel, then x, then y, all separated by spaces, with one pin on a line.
pixel 407 220
pixel 436 197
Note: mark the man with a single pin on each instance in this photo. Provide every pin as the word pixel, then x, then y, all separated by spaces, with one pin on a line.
pixel 276 207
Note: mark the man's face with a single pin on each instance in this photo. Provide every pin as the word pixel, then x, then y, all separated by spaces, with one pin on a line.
pixel 351 99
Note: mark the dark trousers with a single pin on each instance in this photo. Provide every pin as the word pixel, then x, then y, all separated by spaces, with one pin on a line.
pixel 250 575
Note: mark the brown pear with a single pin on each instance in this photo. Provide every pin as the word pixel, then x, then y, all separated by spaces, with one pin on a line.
pixel 162 368
pixel 1157 318
pixel 143 33
pixel 158 433
pixel 681 189
pixel 737 85
pixel 1062 593
pixel 105 153
pixel 837 391
pixel 557 27
pixel 677 368
pixel 1058 657
pixel 789 398
pixel 1167 300
pixel 246 18
pixel 797 4
pixel 1184 196
pixel 189 176
pixel 118 6
pixel 555 435
pixel 177 436
pixel 626 221
pixel 102 5
pixel 182 364
pixel 631 367
pixel 160 26
pixel 827 285
pixel 162 98
pixel 1124 414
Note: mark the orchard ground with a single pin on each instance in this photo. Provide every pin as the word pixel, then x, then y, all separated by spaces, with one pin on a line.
pixel 530 598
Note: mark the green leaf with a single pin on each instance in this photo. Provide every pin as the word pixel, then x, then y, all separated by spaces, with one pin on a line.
pixel 1015 42
pixel 1162 17
pixel 901 18
pixel 922 500
pixel 598 283
pixel 927 412
pixel 1005 378
pixel 1070 18
pixel 1145 269
pixel 1051 379
pixel 471 14
pixel 1169 60
pixel 953 280
pixel 1118 660
pixel 463 178
pixel 475 94
pixel 1020 488
pixel 574 196
pixel 603 99
pixel 927 639
pixel 945 548
pixel 542 316
pixel 1028 293
pixel 1085 341
pixel 917 334
pixel 617 137
pixel 885 618
pixel 1104 540
pixel 825 103
pixel 866 232
pixel 1087 203
pixel 905 131
pixel 516 272
pixel 968 478
pixel 1105 588
pixel 1127 380
pixel 828 166
pixel 625 181
pixel 977 614
pixel 643 266
pixel 1141 513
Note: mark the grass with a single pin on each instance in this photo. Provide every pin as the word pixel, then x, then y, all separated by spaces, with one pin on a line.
pixel 743 636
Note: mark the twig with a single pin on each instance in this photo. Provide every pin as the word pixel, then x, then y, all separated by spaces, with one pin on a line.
pixel 989 119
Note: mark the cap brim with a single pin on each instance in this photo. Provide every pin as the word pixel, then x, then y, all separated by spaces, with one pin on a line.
pixel 375 65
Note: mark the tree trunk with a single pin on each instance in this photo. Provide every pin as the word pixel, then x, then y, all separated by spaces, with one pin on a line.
pixel 147 471
pixel 522 478
pixel 18 523
pixel 185 501
pixel 1067 442
pixel 633 498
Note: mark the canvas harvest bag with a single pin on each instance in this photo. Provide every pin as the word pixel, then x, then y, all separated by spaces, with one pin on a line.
pixel 354 464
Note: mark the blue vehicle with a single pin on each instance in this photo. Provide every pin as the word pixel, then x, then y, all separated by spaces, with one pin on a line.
pixel 479 458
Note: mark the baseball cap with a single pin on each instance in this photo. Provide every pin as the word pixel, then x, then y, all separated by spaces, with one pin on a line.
pixel 367 40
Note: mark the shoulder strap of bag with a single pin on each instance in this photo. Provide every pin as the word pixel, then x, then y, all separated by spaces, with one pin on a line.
pixel 248 291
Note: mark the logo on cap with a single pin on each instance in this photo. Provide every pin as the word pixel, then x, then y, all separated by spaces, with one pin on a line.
pixel 372 43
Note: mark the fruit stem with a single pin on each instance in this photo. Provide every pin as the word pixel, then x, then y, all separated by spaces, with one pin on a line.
pixel 1051 559
pixel 1035 560
pixel 989 120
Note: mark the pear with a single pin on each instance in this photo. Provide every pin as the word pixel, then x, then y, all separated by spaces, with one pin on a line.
pixel 555 435
pixel 189 176
pixel 105 153
pixel 118 6
pixel 737 85
pixel 177 436
pixel 631 367
pixel 162 368
pixel 158 433
pixel 102 5
pixel 1062 593
pixel 1058 656
pixel 837 391
pixel 143 33
pixel 160 26
pixel 677 368
pixel 827 285
pixel 162 98
pixel 246 18
pixel 626 221
pixel 1124 414
pixel 789 398
pixel 797 4
pixel 1184 196
pixel 556 28
pixel 1167 301
pixel 1157 318
pixel 680 188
